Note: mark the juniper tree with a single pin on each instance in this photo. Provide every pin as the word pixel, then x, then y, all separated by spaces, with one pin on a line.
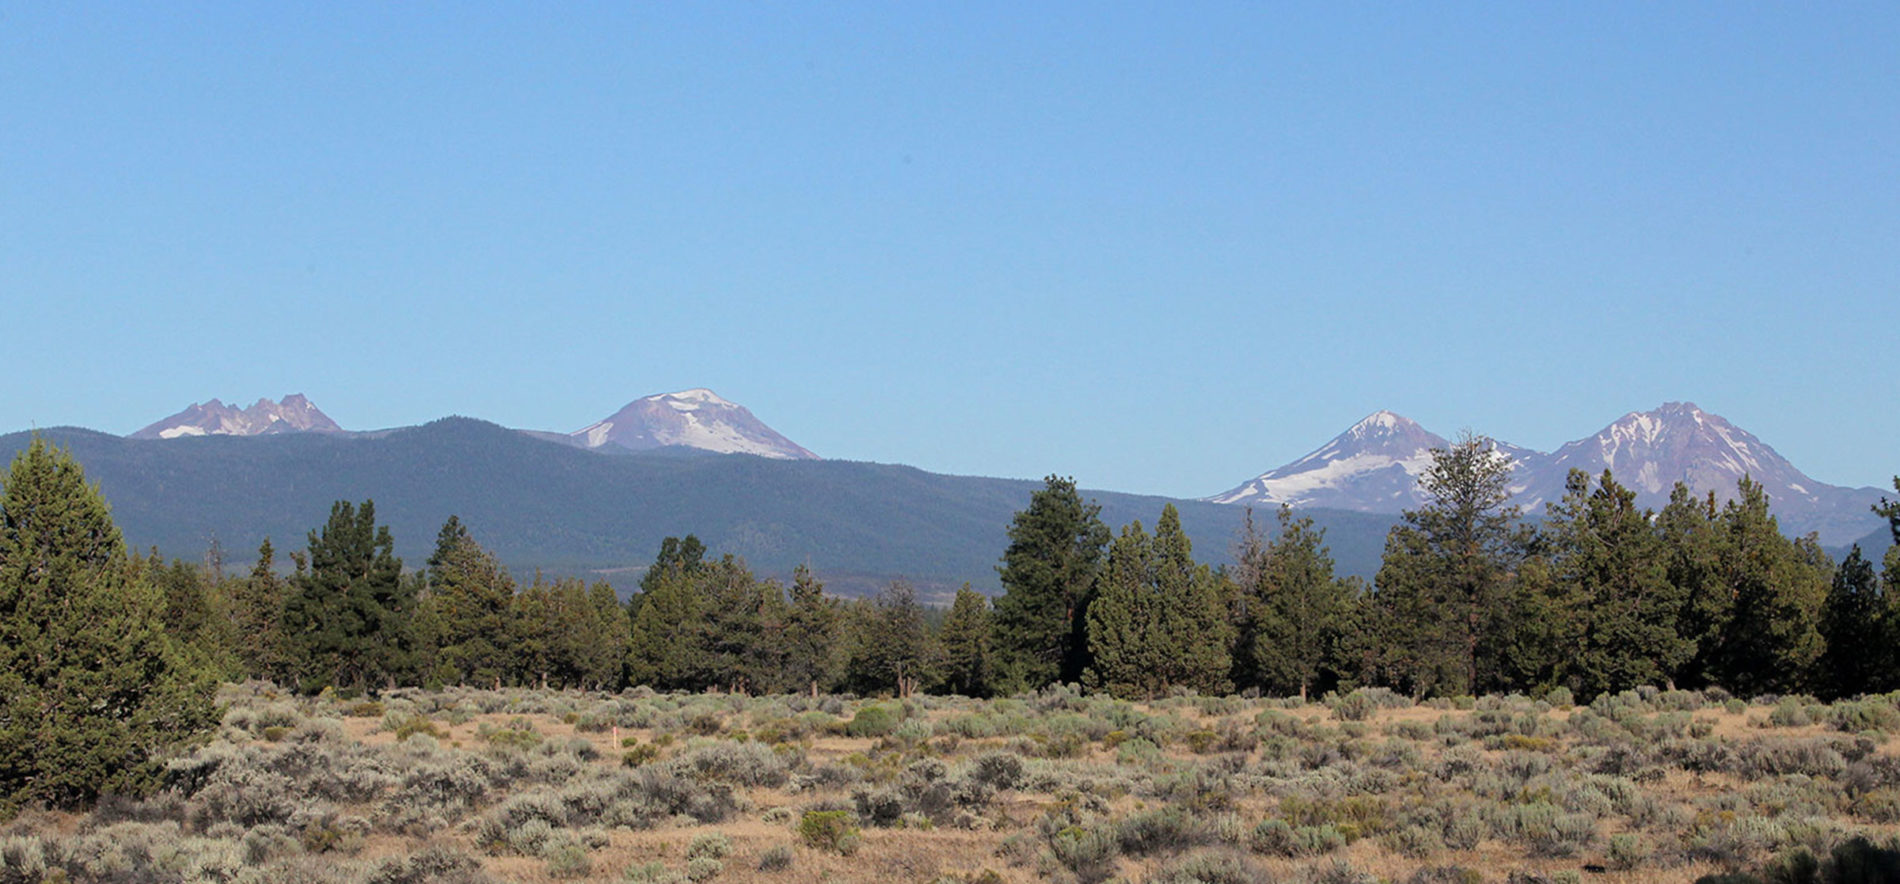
pixel 1049 573
pixel 602 646
pixel 94 695
pixel 1692 550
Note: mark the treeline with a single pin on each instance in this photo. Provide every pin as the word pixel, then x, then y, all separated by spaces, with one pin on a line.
pixel 1470 598
pixel 348 616
pixel 1598 596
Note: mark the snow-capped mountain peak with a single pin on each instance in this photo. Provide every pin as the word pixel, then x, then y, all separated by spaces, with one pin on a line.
pixel 1375 465
pixel 1651 451
pixel 1377 459
pixel 295 414
pixel 696 418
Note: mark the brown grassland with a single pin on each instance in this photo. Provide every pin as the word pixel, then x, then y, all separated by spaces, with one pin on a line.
pixel 543 786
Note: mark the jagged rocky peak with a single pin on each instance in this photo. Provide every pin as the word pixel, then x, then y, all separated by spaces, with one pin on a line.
pixel 696 418
pixel 295 414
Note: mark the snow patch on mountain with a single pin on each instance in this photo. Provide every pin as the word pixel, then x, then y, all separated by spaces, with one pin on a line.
pixel 1375 465
pixel 696 418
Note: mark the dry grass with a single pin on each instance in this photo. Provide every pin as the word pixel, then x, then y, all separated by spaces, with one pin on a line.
pixel 1513 773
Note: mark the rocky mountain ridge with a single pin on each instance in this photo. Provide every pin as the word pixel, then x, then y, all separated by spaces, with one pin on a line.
pixel 295 414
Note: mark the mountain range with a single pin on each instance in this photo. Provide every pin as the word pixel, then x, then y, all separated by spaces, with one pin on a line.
pixel 1374 467
pixel 597 501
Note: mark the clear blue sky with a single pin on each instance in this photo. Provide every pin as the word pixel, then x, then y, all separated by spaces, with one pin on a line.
pixel 1159 247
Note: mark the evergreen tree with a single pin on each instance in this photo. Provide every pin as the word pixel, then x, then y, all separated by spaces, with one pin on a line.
pixel 966 645
pixel 1444 587
pixel 1609 563
pixel 1772 637
pixel 663 650
pixel 253 608
pixel 1692 545
pixel 602 649
pixel 1854 626
pixel 1048 574
pixel 534 635
pixel 812 643
pixel 677 558
pixel 736 613
pixel 467 607
pixel 350 610
pixel 189 608
pixel 1293 610
pixel 1890 510
pixel 94 694
pixel 896 653
pixel 1159 619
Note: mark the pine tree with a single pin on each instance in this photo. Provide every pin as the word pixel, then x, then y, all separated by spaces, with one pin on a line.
pixel 1890 510
pixel 94 695
pixel 1445 588
pixel 1294 610
pixel 1779 586
pixel 350 611
pixel 533 635
pixel 736 611
pixel 603 647
pixel 1608 559
pixel 1692 548
pixel 811 640
pixel 467 605
pixel 663 650
pixel 966 645
pixel 1048 574
pixel 896 653
pixel 1159 619
pixel 1854 626
pixel 677 557
pixel 253 608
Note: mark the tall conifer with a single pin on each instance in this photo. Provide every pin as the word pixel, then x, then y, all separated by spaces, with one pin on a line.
pixel 93 693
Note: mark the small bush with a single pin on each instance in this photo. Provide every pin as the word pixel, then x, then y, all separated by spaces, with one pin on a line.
pixel 702 869
pixel 1356 706
pixel 567 859
pixel 871 721
pixel 775 859
pixel 1628 851
pixel 1089 853
pixel 710 844
pixel 832 830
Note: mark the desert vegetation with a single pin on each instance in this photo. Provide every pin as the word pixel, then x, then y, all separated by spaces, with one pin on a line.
pixel 543 785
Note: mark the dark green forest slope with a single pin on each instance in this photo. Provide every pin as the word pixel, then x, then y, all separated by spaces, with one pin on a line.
pixel 539 504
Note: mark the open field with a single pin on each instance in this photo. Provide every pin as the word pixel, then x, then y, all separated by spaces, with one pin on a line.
pixel 466 785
